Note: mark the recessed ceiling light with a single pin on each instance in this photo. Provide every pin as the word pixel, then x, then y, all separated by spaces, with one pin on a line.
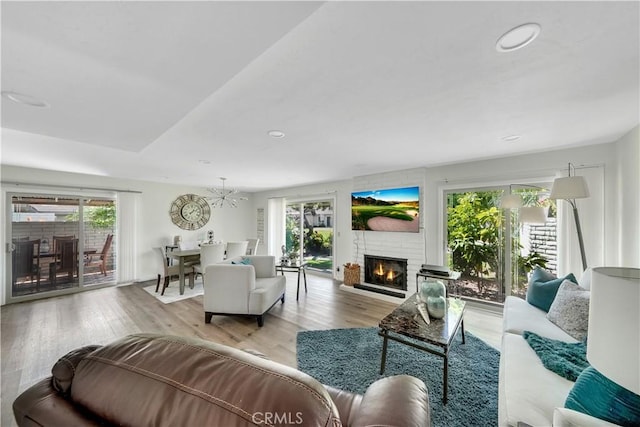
pixel 511 138
pixel 20 98
pixel 518 37
pixel 276 133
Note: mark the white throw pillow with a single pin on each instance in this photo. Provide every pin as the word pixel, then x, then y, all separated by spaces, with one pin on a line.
pixel 570 310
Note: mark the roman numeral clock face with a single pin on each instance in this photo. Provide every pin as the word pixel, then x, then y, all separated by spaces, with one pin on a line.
pixel 190 212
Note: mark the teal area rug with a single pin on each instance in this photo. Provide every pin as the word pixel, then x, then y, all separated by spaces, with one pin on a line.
pixel 349 359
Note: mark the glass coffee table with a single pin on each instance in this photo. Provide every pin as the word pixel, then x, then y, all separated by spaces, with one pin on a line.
pixel 405 321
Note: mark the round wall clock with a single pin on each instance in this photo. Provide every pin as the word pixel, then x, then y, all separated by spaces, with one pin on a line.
pixel 190 212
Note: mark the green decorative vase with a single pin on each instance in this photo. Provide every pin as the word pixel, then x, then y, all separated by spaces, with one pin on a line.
pixel 434 294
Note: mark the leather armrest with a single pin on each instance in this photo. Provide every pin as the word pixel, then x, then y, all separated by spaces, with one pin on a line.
pixel 41 405
pixel 255 353
pixel 347 403
pixel 400 400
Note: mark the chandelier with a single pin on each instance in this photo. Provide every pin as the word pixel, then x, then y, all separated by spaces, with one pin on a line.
pixel 222 197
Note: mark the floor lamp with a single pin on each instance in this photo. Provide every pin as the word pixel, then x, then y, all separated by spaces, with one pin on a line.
pixel 570 188
pixel 527 214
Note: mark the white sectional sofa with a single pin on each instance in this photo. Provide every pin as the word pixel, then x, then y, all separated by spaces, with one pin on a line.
pixel 529 394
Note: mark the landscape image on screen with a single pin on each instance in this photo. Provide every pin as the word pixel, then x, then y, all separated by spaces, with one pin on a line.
pixel 396 209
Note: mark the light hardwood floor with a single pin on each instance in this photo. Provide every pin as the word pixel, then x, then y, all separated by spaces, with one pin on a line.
pixel 35 334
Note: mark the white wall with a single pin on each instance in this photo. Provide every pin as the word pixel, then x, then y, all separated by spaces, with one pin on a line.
pixel 154 226
pixel 618 159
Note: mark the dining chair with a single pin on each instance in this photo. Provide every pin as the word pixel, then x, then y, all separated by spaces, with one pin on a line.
pixel 210 253
pixel 186 246
pixel 169 271
pixel 252 247
pixel 193 260
pixel 25 261
pixel 65 260
pixel 236 249
pixel 100 259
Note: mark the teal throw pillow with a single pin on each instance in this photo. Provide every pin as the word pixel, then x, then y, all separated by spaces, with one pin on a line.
pixel 539 274
pixel 243 261
pixel 596 395
pixel 543 287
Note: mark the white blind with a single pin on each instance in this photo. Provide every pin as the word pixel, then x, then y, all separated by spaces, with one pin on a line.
pixel 126 220
pixel 276 226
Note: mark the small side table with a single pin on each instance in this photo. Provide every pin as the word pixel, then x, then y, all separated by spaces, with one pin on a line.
pixel 453 275
pixel 300 268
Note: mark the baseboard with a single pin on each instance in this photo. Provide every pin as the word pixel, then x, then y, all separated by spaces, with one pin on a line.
pixel 370 294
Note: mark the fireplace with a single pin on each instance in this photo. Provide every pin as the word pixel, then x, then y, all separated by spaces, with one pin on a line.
pixel 386 271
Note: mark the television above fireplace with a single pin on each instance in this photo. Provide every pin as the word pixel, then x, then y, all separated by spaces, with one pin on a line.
pixel 394 209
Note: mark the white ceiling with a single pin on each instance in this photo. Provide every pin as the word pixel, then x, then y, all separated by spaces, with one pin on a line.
pixel 155 90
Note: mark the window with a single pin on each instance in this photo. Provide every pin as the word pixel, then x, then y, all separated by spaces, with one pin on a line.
pixel 313 221
pixel 493 248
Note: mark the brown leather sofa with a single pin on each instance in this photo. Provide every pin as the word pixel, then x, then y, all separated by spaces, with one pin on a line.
pixel 160 380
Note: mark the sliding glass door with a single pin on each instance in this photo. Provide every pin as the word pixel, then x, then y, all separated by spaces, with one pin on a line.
pixel 99 220
pixel 59 243
pixel 309 233
pixel 495 248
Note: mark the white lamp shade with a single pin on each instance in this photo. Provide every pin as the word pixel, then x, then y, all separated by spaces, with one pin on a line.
pixel 511 201
pixel 533 215
pixel 569 187
pixel 613 343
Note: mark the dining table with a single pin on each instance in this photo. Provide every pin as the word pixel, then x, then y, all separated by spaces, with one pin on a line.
pixel 182 256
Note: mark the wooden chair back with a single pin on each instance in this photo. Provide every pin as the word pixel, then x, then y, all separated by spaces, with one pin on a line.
pixel 106 247
pixel 67 256
pixel 100 259
pixel 57 239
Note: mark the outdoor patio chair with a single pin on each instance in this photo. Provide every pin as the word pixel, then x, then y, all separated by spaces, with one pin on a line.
pixel 100 259
pixel 65 260
pixel 57 239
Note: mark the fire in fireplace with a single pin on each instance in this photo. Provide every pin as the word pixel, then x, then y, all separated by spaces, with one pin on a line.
pixel 386 271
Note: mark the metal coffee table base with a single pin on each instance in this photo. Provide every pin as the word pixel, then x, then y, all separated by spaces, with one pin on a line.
pixel 444 354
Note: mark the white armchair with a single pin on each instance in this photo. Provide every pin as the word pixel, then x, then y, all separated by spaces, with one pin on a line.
pixel 248 289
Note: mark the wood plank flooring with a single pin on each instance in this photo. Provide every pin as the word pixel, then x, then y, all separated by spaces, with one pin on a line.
pixel 35 334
